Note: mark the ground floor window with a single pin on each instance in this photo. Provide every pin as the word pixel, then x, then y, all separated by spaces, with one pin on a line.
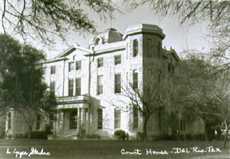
pixel 9 120
pixel 117 118
pixel 73 119
pixel 182 125
pixel 135 118
pixel 86 114
pixel 100 118
pixel 38 122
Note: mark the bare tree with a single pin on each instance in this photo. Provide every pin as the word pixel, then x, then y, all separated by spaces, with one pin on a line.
pixel 223 100
pixel 197 10
pixel 50 17
pixel 216 12
pixel 151 99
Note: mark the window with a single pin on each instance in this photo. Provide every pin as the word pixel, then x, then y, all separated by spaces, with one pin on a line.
pixel 9 120
pixel 135 118
pixel 86 115
pixel 171 68
pixel 150 52
pixel 52 118
pixel 159 49
pixel 52 70
pixel 73 119
pixel 71 66
pixel 135 48
pixel 135 80
pixel 117 83
pixel 99 84
pixel 52 86
pixel 78 65
pixel 70 92
pixel 44 70
pixel 117 59
pixel 97 41
pixel 38 122
pixel 117 119
pixel 78 87
pixel 100 118
pixel 100 62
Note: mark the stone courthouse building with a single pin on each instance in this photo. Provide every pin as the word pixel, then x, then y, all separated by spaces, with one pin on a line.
pixel 89 82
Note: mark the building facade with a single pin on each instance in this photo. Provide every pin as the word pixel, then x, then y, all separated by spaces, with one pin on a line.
pixel 90 83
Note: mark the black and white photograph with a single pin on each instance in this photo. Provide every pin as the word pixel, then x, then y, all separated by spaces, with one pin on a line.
pixel 114 79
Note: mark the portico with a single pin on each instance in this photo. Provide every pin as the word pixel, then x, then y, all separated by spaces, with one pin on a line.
pixel 73 116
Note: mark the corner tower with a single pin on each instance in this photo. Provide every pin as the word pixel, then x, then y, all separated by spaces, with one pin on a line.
pixel 148 66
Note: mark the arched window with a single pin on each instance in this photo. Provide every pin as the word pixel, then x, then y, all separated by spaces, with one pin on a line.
pixel 97 41
pixel 135 47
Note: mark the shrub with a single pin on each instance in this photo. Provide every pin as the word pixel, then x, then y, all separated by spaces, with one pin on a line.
pixel 19 136
pixel 48 129
pixel 93 136
pixel 140 136
pixel 121 135
pixel 81 133
pixel 39 135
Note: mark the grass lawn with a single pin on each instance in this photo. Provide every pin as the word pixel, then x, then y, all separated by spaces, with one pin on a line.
pixel 97 149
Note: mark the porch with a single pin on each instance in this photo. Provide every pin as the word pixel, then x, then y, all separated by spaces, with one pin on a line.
pixel 73 117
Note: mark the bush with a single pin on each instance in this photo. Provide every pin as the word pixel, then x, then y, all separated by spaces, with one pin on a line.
pixel 19 136
pixel 181 137
pixel 121 135
pixel 48 129
pixel 39 135
pixel 82 133
pixel 140 136
pixel 93 136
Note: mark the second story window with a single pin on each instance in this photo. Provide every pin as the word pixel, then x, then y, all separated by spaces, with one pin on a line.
pixel 52 70
pixel 117 83
pixel 100 62
pixel 135 80
pixel 70 88
pixel 117 59
pixel 78 87
pixel 150 51
pixel 135 47
pixel 71 66
pixel 99 84
pixel 159 45
pixel 78 65
pixel 52 86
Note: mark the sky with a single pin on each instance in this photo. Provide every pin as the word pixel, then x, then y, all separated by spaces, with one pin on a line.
pixel 178 36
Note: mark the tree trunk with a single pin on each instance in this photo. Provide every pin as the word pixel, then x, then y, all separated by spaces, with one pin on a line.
pixel 146 118
pixel 209 132
pixel 226 133
pixel 206 132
